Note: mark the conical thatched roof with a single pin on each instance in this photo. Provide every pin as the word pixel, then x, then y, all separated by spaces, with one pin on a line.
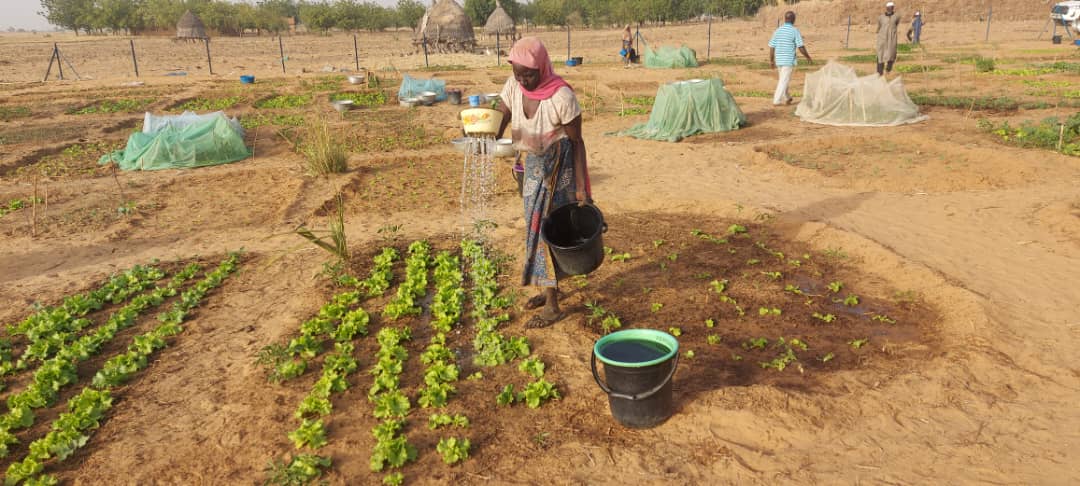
pixel 499 22
pixel 446 22
pixel 190 27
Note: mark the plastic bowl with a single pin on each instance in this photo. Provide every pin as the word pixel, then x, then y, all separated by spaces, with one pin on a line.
pixel 571 62
pixel 247 79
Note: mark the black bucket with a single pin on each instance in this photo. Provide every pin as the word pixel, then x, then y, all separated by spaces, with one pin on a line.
pixel 519 176
pixel 575 236
pixel 1056 39
pixel 638 367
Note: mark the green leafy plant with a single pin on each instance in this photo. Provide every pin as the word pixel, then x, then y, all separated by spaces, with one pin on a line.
pixel 858 343
pixel 675 331
pixel 310 433
pixel 538 392
pixel 835 287
pixel 533 367
pixel 437 420
pixel 786 356
pixel 453 450
pixel 506 396
pixel 766 311
pixel 824 317
pixel 713 339
pixel 300 470
pixel 284 101
pixel 656 306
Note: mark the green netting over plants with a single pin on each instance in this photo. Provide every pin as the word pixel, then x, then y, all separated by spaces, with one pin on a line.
pixel 179 142
pixel 667 57
pixel 685 108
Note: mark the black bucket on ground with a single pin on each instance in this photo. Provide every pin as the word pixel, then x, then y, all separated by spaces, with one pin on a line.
pixel 575 236
pixel 638 367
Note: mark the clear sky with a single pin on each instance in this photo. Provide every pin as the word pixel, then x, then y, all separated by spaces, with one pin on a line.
pixel 23 14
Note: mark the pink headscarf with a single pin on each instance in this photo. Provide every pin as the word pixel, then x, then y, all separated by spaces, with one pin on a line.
pixel 531 53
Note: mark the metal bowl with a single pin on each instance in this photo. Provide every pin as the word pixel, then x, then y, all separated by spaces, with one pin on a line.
pixel 342 105
pixel 428 97
pixel 504 147
pixel 354 79
pixel 409 102
pixel 489 97
pixel 460 144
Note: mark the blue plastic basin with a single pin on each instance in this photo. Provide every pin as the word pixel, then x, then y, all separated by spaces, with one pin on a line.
pixel 247 79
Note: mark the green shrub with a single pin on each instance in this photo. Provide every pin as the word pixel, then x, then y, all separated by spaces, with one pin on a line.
pixel 984 65
pixel 324 154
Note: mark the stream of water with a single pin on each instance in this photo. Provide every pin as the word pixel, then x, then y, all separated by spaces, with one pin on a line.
pixel 477 185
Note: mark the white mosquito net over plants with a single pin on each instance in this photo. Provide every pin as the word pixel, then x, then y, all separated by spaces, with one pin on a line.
pixel 835 95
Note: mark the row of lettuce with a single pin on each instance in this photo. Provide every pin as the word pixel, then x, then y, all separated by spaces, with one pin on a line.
pixel 343 319
pixel 60 338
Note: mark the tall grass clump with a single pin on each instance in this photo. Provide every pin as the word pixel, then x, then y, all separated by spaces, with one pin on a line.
pixel 324 154
pixel 984 65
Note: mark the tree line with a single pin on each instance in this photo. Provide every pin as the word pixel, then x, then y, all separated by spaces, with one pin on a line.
pixel 228 18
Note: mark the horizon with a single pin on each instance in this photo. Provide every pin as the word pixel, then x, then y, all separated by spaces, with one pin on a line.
pixel 23 14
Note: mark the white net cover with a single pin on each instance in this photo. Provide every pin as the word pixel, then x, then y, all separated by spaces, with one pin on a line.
pixel 835 95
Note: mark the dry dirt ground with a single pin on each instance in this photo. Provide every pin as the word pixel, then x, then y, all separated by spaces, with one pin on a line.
pixel 972 246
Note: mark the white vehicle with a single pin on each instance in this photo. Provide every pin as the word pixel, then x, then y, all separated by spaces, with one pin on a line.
pixel 1067 14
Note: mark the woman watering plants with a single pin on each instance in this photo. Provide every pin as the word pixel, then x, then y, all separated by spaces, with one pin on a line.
pixel 545 121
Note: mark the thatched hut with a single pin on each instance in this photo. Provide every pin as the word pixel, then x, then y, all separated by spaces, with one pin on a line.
pixel 446 28
pixel 499 23
pixel 190 27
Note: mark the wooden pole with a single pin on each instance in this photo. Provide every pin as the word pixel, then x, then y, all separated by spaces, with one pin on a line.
pixel 498 61
pixel 59 63
pixel 355 53
pixel 567 42
pixel 281 50
pixel 847 38
pixel 708 43
pixel 425 52
pixel 989 15
pixel 52 58
pixel 209 64
pixel 134 61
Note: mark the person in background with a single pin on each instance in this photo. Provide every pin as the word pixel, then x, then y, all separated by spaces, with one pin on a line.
pixel 887 26
pixel 782 47
pixel 545 120
pixel 627 51
pixel 915 31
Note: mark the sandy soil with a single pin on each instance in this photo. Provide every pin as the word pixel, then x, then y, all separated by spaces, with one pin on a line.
pixel 974 243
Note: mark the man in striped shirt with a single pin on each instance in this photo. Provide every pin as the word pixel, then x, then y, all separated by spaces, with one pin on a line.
pixel 782 48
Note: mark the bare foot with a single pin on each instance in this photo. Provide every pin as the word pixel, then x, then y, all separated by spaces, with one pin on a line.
pixel 543 319
pixel 536 301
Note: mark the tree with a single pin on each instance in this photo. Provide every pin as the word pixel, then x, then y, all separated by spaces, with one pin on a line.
pixel 68 14
pixel 320 16
pixel 409 13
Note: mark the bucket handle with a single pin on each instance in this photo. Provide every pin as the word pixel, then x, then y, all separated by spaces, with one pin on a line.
pixel 639 396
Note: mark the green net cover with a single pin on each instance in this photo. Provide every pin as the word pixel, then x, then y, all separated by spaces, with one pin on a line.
pixel 182 141
pixel 685 108
pixel 667 57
